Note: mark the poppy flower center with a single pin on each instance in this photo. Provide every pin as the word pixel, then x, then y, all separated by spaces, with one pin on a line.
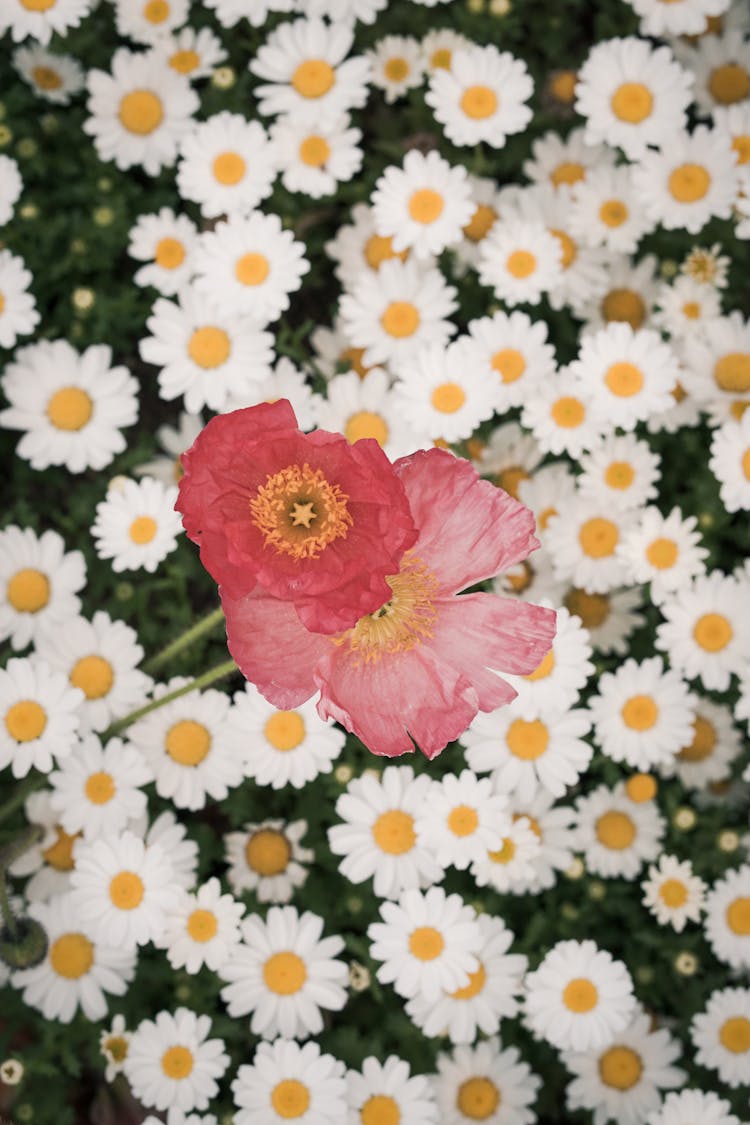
pixel 299 512
pixel 478 1098
pixel 267 852
pixel 403 622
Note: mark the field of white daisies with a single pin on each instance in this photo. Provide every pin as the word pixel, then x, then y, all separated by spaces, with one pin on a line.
pixel 507 239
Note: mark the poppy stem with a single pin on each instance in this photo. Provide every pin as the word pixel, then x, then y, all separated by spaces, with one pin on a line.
pixel 208 678
pixel 184 640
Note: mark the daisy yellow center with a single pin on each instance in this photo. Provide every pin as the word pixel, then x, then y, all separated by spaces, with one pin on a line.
pixel 25 720
pixel 396 69
pixel 187 742
pixel 353 357
pixel 252 269
pixel 625 306
pixel 463 820
pixel 403 622
pixel 703 743
pixel 480 223
pixel 426 205
pixel 366 424
pixel 738 916
pixel 691 309
pixel 314 151
pixel 477 981
pixel 59 855
pixel 632 102
pixel 426 943
pixel 510 479
pixel 156 11
pixel 126 890
pixel 520 264
pixel 46 78
pixel 100 787
pixel 598 537
pixel 169 253
pixel 673 893
pixel 184 62
pixel 624 379
pixel 300 512
pixel 209 346
pixel 545 668
pixel 379 249
pixel 689 183
pixel 640 787
pixel 741 147
pixel 640 712
pixel 268 852
pixel 284 973
pixel 142 530
pixel 737 410
pixel 619 475
pixel 313 78
pixel 510 363
pixel 504 854
pixel 202 925
pixel 732 372
pixel 38 5
pixel 441 58
pixel 613 213
pixel 400 319
pixel 567 412
pixel 734 1035
pixel 527 740
pixel 116 1047
pixel 521 578
pixel 615 830
pixel 729 83
pixel 229 168
pixel 448 398
pixel 745 463
pixel 290 1099
pixel 568 246
pixel 380 1109
pixel 93 675
pixel 545 516
pixel 285 730
pixel 141 112
pixel 393 832
pixel 662 553
pixel 593 609
pixel 580 995
pixel 620 1068
pixel 70 409
pixel 712 632
pixel 479 102
pixel 478 1098
pixel 71 956
pixel 568 172
pixel 177 1063
pixel 28 590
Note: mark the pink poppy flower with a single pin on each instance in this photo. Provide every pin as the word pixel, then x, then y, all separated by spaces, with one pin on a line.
pixel 309 518
pixel 419 668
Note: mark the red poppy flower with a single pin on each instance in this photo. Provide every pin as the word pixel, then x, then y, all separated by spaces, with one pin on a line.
pixel 308 518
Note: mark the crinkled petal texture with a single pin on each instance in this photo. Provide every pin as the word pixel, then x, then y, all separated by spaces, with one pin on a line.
pixel 311 519
pixel 419 668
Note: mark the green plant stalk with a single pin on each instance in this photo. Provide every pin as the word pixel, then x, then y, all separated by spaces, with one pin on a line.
pixel 20 795
pixel 184 640
pixel 9 921
pixel 210 677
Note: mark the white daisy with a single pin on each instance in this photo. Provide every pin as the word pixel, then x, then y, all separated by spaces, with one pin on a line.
pixel 730 463
pixel 629 295
pixel 464 818
pixel 41 20
pixel 690 182
pixel 561 416
pixel 348 11
pixel 555 685
pixel 11 186
pixel 686 17
pixel 98 789
pixel 721 65
pixel 290 1080
pixel 50 861
pixel 39 710
pixel 485 1083
pixel 18 314
pixel 623 471
pixel 610 618
pixel 663 550
pixel 227 165
pixel 172 837
pixel 396 65
pixel 366 408
pixel 136 524
pixel 445 391
pixel 230 12
pixel 717 367
pixel 735 120
pixel 387 1091
pixel 39 583
pixel 509 458
pixel 439 46
pixel 357 248
pixel 547 492
pixel 315 157
pixel 202 929
pixel 693 1105
pixel 171 1062
pixel 146 21
pixel 714 744
pixel 194 52
pixel 486 199
pixel 685 307
pixel 482 97
pixel 113 1044
pixel 721 1035
pixel 510 869
pixel 583 544
pixel 55 78
pixel 424 205
pixel 284 381
pixel 606 211
pixel 520 260
pixel 727 922
pixel 165 241
pixel 268 859
pixel 617 835
pixel 552 824
pixel 706 631
pixel 673 894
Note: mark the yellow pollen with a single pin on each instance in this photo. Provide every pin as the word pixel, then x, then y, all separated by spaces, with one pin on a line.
pixel 285 730
pixel 393 832
pixel 568 172
pixel 141 112
pixel 169 253
pixel 59 855
pixel 396 69
pixel 38 5
pixel 313 78
pixel 615 830
pixel 545 516
pixel 284 973
pixel 624 305
pixel 632 102
pixel 481 222
pixel 426 205
pixel 426 943
pixel 510 363
pixel 619 475
pixel 252 269
pixel 741 146
pixel 641 787
pixel 290 1099
pixel 703 743
pixel 187 742
pixel 662 553
pixel 314 151
pixel 142 530
pixel 441 59
pixel 734 1035
pixel 478 1098
pixel 25 720
pixel 353 357
pixel 598 538
pixel 46 78
pixel 184 62
pixel 689 183
pixel 28 590
pixel 527 740
pixel 126 890
pixel 691 309
pixel 70 409
pixel 286 492
pixel 400 319
pixel 202 926
pixel 562 86
pixel 569 248
pixel 479 102
pixel 380 1109
pixel 639 712
pixel 613 213
pixel 737 410
pixel 177 1063
pixel 366 424
pixel 712 632
pixel 403 622
pixel 521 577
pixel 545 668
pixel 229 168
pixel 745 463
pixel 520 264
pixel 620 1068
pixel 624 379
pixel 268 852
pixel 510 479
pixel 477 981
pixel 448 398
pixel 738 916
pixel 580 995
pixel 506 852
pixel 71 956
pixel 673 893
pixel 732 372
pixel 116 1046
pixel 593 609
pixel 379 249
pixel 93 675
pixel 463 820
pixel 729 83
pixel 567 412
pixel 156 11
pixel 100 788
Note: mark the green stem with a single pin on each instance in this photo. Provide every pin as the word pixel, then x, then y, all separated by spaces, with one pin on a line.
pixel 184 640
pixel 20 795
pixel 209 677
pixel 9 921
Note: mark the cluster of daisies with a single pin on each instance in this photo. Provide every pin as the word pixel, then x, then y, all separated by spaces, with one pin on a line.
pixel 246 918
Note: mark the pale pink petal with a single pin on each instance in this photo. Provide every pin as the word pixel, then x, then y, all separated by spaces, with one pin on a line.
pixel 480 631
